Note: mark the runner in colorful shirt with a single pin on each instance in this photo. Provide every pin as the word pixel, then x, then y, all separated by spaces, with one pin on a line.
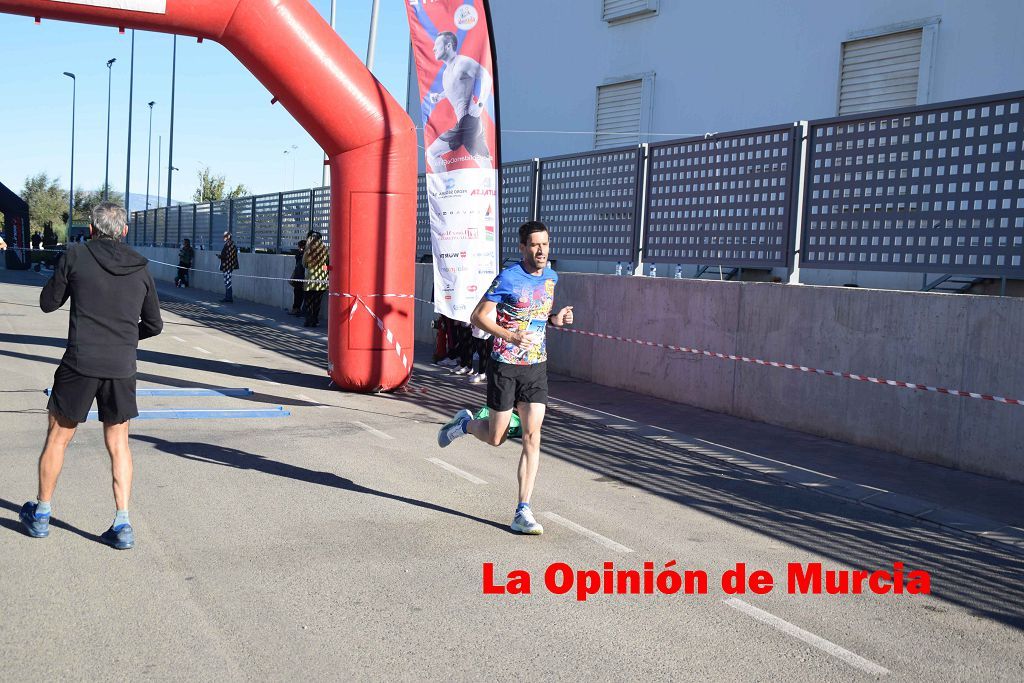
pixel 522 297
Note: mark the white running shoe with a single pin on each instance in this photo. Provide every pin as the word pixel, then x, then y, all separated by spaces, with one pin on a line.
pixel 447 363
pixel 479 378
pixel 453 428
pixel 524 523
pixel 462 370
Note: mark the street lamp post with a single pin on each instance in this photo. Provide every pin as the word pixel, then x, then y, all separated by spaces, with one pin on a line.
pixel 149 153
pixel 170 143
pixel 106 175
pixel 159 165
pixel 71 194
pixel 131 92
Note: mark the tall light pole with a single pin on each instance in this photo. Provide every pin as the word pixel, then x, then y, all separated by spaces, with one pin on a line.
pixel 149 152
pixel 371 47
pixel 170 143
pixel 106 175
pixel 131 89
pixel 71 194
pixel 323 173
pixel 159 165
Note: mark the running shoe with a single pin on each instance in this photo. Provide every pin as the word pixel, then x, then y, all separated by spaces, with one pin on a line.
pixel 453 428
pixel 524 523
pixel 121 537
pixel 447 362
pixel 36 526
pixel 463 370
pixel 478 378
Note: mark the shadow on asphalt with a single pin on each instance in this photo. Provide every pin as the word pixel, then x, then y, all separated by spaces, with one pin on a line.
pixel 56 522
pixel 170 360
pixel 233 457
pixel 980 578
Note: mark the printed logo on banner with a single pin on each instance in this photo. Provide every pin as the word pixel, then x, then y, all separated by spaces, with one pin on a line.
pixel 466 17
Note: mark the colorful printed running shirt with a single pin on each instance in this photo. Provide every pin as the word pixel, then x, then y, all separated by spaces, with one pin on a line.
pixel 523 304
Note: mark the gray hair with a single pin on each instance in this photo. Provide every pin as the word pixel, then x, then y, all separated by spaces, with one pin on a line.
pixel 109 220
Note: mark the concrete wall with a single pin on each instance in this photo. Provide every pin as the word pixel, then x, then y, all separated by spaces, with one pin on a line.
pixel 952 341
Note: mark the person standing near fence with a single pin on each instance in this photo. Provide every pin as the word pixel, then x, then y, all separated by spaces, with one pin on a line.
pixel 228 263
pixel 185 257
pixel 113 305
pixel 298 275
pixel 315 260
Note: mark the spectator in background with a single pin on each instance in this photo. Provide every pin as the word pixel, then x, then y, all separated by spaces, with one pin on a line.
pixel 37 240
pixel 298 275
pixel 228 263
pixel 315 261
pixel 186 255
pixel 113 305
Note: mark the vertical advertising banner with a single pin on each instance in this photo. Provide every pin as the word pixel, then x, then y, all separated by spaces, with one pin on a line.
pixel 455 69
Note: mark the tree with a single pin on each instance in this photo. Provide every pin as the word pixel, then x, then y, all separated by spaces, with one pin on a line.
pixel 85 202
pixel 47 204
pixel 212 188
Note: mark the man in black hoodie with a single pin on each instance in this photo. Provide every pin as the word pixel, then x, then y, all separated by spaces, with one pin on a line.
pixel 113 305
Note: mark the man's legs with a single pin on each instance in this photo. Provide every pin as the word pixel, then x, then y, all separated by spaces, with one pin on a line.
pixel 116 438
pixel 51 460
pixel 532 416
pixel 228 297
pixel 493 430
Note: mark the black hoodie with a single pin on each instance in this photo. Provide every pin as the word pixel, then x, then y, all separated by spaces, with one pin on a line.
pixel 113 306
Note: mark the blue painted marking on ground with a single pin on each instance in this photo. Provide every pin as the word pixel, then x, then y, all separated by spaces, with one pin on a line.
pixel 185 414
pixel 187 392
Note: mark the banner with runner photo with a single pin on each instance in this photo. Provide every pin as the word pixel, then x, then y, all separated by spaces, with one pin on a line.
pixel 454 56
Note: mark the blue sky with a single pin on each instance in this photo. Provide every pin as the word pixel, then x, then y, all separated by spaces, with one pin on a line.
pixel 222 115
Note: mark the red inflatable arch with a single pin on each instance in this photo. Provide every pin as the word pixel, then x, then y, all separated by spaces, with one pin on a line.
pixel 369 140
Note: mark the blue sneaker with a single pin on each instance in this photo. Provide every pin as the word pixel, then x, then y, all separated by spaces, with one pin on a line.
pixel 453 428
pixel 36 526
pixel 121 537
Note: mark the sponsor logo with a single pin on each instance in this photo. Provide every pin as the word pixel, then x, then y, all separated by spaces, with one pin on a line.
pixel 482 193
pixel 459 234
pixel 447 297
pixel 453 254
pixel 466 17
pixel 471 288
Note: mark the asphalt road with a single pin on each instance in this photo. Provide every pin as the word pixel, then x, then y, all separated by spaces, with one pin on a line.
pixel 340 542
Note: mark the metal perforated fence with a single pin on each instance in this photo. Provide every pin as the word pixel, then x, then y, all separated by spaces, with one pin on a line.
pixel 518 190
pixel 933 189
pixel 592 203
pixel 728 199
pixel 937 189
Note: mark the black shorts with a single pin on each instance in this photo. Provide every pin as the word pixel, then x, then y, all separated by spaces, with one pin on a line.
pixel 467 133
pixel 72 396
pixel 508 385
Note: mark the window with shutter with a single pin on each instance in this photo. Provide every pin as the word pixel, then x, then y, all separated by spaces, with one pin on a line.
pixel 618 10
pixel 619 109
pixel 881 72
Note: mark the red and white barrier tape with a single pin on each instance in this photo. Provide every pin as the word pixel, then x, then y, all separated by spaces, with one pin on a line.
pixel 380 324
pixel 802 368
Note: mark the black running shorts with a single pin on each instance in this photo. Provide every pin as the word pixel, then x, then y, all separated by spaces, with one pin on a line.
pixel 467 133
pixel 72 396
pixel 508 385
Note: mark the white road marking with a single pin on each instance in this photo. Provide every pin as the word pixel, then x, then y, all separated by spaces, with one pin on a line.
pixel 268 380
pixel 456 471
pixel 201 350
pixel 583 531
pixel 230 362
pixel 825 646
pixel 375 432
pixel 316 404
pixel 289 328
pixel 178 339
